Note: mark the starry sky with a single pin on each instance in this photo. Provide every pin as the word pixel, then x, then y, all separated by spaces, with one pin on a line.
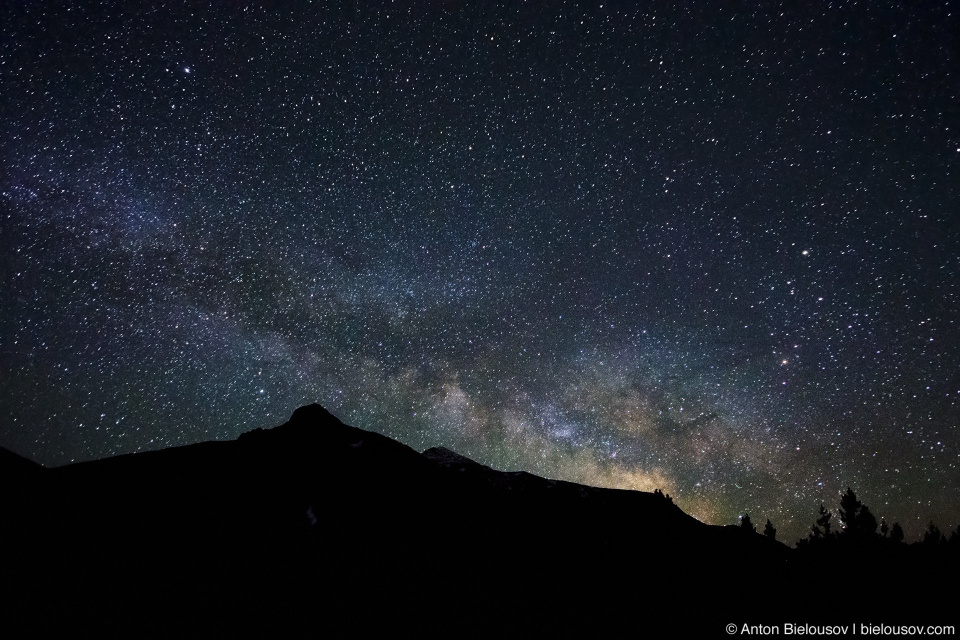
pixel 713 249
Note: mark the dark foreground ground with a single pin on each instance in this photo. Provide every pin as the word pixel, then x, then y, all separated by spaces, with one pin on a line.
pixel 316 527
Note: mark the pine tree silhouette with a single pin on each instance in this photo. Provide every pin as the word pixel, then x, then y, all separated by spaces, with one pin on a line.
pixel 822 527
pixel 932 537
pixel 896 532
pixel 769 531
pixel 665 496
pixel 855 517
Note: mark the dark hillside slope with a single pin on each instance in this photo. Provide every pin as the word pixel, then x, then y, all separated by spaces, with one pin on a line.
pixel 316 525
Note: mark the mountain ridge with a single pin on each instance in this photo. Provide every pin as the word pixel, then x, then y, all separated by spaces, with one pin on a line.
pixel 314 504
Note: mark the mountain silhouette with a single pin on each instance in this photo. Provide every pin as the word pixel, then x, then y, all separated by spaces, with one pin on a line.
pixel 318 526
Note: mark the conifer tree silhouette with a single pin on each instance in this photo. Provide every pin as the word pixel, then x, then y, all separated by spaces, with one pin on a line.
pixel 866 522
pixel 896 532
pixel 746 525
pixel 769 531
pixel 855 517
pixel 932 537
pixel 849 506
pixel 822 527
pixel 665 496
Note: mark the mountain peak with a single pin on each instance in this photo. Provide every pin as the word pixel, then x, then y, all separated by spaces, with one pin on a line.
pixel 313 414
pixel 311 421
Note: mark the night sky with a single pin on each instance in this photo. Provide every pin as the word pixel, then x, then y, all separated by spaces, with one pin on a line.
pixel 710 249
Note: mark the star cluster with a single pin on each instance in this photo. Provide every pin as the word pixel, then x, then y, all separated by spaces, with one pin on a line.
pixel 711 249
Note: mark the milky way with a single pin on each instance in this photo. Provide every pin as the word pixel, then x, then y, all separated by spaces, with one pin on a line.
pixel 712 250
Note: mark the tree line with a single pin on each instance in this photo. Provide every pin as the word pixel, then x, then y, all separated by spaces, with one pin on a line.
pixel 857 525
